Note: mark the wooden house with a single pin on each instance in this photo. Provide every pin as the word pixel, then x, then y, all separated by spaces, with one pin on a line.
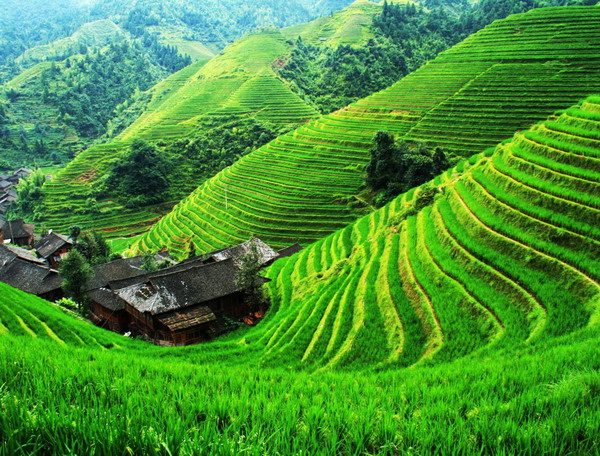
pixel 18 232
pixel 186 305
pixel 107 309
pixel 22 270
pixel 19 174
pixel 54 248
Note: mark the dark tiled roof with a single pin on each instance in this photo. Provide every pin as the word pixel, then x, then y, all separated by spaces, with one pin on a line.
pixel 4 184
pixel 265 252
pixel 6 255
pixel 289 251
pixel 17 229
pixel 26 255
pixel 29 276
pixel 107 298
pixel 187 318
pixel 145 276
pixel 159 293
pixel 123 268
pixel 51 243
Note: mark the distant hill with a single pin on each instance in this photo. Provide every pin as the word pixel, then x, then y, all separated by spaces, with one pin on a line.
pixel 239 83
pixel 93 34
pixel 62 104
pixel 167 35
pixel 351 26
pixel 302 186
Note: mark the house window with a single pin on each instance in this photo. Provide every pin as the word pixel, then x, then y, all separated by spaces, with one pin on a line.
pixel 193 335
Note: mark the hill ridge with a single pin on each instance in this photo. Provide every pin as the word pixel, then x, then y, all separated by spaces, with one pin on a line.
pixel 199 92
pixel 310 174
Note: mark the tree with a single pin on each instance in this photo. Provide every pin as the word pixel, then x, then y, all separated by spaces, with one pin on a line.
pixel 93 247
pixel 141 176
pixel 382 166
pixel 30 195
pixel 76 273
pixel 397 166
pixel 249 279
pixel 74 232
pixel 149 263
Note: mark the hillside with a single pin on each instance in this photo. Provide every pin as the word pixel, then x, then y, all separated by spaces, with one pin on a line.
pixel 38 130
pixel 301 186
pixel 238 83
pixel 484 281
pixel 350 26
pixel 500 251
pixel 95 34
pixel 61 105
pixel 25 315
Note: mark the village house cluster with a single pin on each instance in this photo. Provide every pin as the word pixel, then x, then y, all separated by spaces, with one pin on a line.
pixel 8 191
pixel 181 304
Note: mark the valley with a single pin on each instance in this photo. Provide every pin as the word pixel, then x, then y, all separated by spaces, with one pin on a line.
pixel 300 228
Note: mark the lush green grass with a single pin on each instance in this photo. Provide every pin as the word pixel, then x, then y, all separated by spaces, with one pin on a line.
pixel 542 399
pixel 490 295
pixel 295 189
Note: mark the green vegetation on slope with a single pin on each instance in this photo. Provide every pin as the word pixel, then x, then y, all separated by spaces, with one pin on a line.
pixel 301 186
pixel 503 252
pixel 367 47
pixel 350 26
pixel 198 28
pixel 237 84
pixel 56 109
pixel 489 291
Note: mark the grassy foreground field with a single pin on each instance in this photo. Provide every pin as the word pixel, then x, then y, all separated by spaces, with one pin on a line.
pixel 462 318
pixel 302 186
pixel 542 399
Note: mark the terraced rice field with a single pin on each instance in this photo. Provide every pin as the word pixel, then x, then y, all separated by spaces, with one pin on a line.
pixel 490 294
pixel 26 315
pixel 508 253
pixel 238 81
pixel 504 78
pixel 350 26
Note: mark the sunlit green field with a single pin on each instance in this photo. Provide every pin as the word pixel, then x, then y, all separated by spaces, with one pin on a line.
pixel 463 324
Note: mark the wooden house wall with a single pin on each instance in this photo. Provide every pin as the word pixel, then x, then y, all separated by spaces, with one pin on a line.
pixel 117 321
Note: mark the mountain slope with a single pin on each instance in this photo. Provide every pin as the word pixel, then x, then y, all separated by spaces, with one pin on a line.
pixel 63 104
pixel 487 286
pixel 239 82
pixel 496 253
pixel 301 186
pixel 350 26
pixel 95 34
